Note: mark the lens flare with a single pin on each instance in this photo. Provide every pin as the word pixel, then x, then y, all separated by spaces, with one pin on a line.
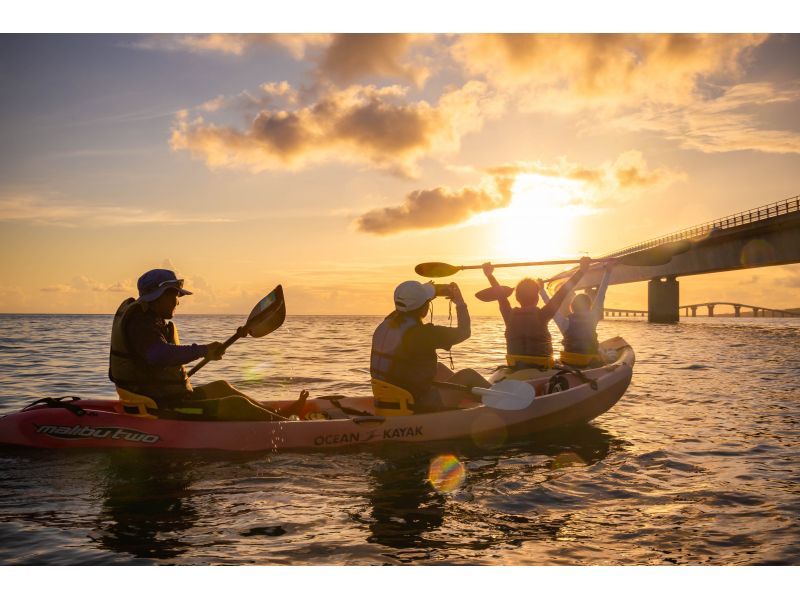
pixel 446 473
pixel 257 371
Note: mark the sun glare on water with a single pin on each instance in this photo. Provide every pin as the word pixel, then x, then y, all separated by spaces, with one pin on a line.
pixel 538 223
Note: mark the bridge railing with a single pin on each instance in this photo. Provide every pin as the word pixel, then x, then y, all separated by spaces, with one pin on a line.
pixel 787 206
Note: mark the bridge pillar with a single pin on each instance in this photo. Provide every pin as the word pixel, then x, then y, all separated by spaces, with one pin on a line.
pixel 738 310
pixel 694 312
pixel 662 301
pixel 755 312
pixel 710 310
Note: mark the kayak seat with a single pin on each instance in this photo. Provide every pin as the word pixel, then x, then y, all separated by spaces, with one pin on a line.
pixel 135 404
pixel 391 400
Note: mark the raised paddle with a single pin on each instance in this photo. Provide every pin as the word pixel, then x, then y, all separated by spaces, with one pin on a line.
pixel 266 317
pixel 506 395
pixel 656 256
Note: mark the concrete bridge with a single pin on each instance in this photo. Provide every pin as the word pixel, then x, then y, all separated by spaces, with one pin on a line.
pixel 764 312
pixel 765 236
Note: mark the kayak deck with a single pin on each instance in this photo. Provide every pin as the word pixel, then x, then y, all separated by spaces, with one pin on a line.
pixel 324 423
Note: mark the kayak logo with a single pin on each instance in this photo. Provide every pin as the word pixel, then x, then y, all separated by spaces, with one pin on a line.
pixel 390 434
pixel 77 432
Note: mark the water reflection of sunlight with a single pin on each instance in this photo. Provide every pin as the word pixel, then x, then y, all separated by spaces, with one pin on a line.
pixel 538 223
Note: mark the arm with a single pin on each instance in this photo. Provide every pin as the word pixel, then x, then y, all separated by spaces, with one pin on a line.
pixel 549 310
pixel 488 270
pixel 561 321
pixel 503 302
pixel 165 354
pixel 597 304
pixel 148 341
pixel 445 337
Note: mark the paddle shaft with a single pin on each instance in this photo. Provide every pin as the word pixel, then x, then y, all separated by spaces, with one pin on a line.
pixel 452 386
pixel 237 335
pixel 545 263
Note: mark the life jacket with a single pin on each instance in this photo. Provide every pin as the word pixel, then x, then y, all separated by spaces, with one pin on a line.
pixel 527 335
pixel 133 373
pixel 392 360
pixel 581 335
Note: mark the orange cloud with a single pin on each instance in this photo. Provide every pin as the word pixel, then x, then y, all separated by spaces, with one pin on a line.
pixel 351 57
pixel 360 124
pixel 629 172
pixel 724 123
pixel 435 208
pixel 441 206
pixel 341 58
pixel 621 68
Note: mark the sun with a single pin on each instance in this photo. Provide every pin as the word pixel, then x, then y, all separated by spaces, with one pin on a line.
pixel 538 223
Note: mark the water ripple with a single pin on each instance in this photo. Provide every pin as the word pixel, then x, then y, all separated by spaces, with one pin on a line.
pixel 696 465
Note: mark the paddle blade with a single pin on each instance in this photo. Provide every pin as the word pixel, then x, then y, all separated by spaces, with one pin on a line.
pixel 507 395
pixel 656 256
pixel 268 314
pixel 494 293
pixel 436 269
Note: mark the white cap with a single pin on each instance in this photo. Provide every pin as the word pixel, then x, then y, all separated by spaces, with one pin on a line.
pixel 410 295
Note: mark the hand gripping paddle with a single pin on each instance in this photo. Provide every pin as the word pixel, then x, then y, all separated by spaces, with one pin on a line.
pixel 266 317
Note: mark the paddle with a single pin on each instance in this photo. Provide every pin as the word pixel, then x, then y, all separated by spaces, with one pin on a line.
pixel 506 395
pixel 495 293
pixel 266 317
pixel 656 256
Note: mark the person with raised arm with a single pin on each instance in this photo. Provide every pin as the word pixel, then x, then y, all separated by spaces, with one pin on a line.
pixel 403 352
pixel 579 328
pixel 528 340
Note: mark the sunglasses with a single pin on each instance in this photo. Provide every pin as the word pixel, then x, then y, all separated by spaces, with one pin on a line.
pixel 176 283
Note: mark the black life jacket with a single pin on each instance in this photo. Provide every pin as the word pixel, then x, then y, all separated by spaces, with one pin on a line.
pixel 581 335
pixel 527 333
pixel 394 360
pixel 132 372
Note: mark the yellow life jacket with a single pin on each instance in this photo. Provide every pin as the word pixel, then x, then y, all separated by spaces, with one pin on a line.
pixel 580 360
pixel 542 361
pixel 391 400
pixel 135 374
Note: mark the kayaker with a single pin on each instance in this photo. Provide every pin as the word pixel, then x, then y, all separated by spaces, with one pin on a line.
pixel 528 341
pixel 404 348
pixel 147 357
pixel 579 328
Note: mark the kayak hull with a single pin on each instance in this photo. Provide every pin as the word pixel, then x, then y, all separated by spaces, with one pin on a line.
pixel 103 425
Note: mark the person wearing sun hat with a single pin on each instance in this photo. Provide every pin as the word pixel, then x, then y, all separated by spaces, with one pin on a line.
pixel 404 349
pixel 147 357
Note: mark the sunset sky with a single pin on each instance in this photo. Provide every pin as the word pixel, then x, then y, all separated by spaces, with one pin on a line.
pixel 334 163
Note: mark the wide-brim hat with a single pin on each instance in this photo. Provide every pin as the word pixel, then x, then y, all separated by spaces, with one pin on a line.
pixel 153 283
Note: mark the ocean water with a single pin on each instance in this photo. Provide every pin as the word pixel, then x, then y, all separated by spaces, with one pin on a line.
pixel 697 463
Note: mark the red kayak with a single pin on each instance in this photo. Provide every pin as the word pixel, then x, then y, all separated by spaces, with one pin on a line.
pixel 324 423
